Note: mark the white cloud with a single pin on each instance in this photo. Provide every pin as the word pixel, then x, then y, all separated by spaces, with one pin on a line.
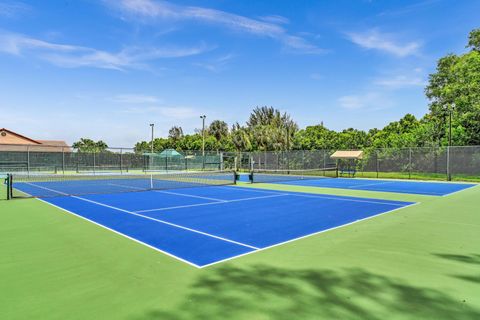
pixel 172 113
pixel 275 19
pixel 373 39
pixel 401 81
pixel 135 99
pixel 367 101
pixel 149 11
pixel 217 64
pixel 11 9
pixel 71 56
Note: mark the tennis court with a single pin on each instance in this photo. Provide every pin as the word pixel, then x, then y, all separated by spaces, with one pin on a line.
pixel 201 225
pixel 309 178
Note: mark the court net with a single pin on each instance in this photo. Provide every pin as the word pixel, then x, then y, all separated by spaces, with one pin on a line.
pixel 272 176
pixel 51 185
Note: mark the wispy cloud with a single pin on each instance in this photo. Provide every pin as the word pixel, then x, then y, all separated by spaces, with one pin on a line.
pixel 12 9
pixel 375 40
pixel 72 56
pixel 134 99
pixel 271 26
pixel 217 64
pixel 420 5
pixel 275 19
pixel 401 81
pixel 173 113
pixel 367 101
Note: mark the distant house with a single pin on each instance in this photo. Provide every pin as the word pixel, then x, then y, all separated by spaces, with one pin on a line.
pixel 12 141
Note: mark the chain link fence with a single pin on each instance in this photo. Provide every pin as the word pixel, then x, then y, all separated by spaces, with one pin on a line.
pixel 443 163
pixel 68 160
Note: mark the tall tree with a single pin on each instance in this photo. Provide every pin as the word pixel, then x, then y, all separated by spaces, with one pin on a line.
pixel 88 145
pixel 271 130
pixel 455 87
pixel 241 138
pixel 218 129
pixel 175 133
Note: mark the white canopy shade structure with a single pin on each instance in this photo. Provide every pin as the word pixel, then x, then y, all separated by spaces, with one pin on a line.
pixel 347 154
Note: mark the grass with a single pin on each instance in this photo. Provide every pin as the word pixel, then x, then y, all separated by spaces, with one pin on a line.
pixel 421 262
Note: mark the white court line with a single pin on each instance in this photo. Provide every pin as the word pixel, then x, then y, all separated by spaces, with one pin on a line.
pixel 212 203
pixel 306 236
pixel 320 196
pixel 238 256
pixel 45 188
pixel 449 194
pixel 251 189
pixel 346 199
pixel 122 234
pixel 369 184
pixel 166 192
pixel 153 219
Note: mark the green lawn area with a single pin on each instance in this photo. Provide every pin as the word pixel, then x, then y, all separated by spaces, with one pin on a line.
pixel 421 262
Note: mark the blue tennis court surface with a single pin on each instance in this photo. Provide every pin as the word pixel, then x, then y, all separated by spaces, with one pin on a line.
pixel 206 225
pixel 395 186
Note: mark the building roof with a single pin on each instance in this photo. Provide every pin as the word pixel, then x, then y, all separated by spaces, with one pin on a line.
pixel 20 136
pixel 13 141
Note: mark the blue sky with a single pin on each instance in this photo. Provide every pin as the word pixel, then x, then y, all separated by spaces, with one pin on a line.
pixel 106 69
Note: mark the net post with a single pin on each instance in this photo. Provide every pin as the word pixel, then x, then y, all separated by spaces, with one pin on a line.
pixel 9 187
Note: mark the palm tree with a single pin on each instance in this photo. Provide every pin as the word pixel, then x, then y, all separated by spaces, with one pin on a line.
pixel 241 138
pixel 281 128
pixel 175 133
pixel 218 129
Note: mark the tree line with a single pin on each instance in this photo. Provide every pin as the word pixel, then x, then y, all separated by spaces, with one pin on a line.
pixel 453 91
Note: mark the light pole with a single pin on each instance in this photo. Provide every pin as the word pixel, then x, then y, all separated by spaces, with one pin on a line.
pixel 450 112
pixel 203 134
pixel 151 147
pixel 203 140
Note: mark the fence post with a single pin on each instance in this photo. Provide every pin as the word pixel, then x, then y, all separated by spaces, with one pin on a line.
pixel 377 165
pixel 63 160
pixel 28 160
pixel 409 163
pixel 303 159
pixel 94 163
pixel 121 160
pixel 449 174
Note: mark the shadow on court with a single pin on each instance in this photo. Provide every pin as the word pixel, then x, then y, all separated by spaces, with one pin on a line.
pixel 473 259
pixel 265 292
